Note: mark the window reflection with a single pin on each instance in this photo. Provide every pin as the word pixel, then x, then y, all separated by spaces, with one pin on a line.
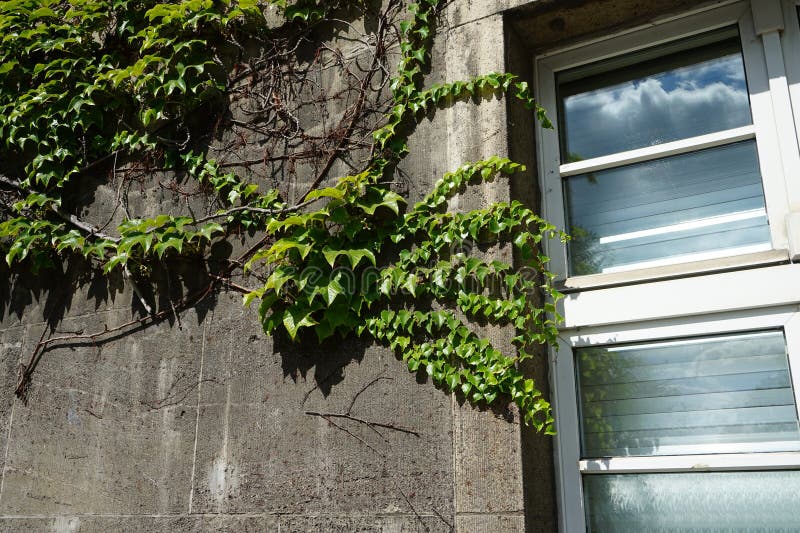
pixel 685 94
pixel 681 208
pixel 692 502
pixel 708 395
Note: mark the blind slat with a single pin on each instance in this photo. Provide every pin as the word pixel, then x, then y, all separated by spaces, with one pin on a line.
pixel 742 365
pixel 693 402
pixel 680 387
pixel 743 416
pixel 771 437
pixel 703 348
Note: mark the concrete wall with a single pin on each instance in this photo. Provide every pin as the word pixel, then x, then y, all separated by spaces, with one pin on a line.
pixel 207 425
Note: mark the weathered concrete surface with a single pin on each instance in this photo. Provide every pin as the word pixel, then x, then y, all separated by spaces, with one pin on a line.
pixel 228 524
pixel 107 429
pixel 468 11
pixel 537 449
pixel 548 24
pixel 270 434
pixel 165 428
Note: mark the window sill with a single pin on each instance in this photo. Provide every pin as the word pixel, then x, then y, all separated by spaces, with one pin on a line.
pixel 679 270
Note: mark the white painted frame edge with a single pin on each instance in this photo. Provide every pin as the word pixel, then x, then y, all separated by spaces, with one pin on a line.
pixel 571 512
pixel 791 55
pixel 768 137
pixel 686 326
pixel 781 106
pixel 640 155
pixel 755 288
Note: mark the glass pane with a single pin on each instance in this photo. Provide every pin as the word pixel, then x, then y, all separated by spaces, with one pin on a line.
pixel 682 208
pixel 718 502
pixel 722 394
pixel 687 93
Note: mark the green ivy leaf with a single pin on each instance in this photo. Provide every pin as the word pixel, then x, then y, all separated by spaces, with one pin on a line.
pixel 297 317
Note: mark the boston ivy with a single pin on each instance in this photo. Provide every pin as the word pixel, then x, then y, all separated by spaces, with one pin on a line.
pixel 88 81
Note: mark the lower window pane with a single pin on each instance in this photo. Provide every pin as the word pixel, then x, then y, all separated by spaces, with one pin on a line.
pixel 683 208
pixel 720 394
pixel 693 502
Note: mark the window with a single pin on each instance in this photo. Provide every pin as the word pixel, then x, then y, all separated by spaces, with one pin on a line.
pixel 668 150
pixel 661 165
pixel 675 165
pixel 677 429
pixel 688 396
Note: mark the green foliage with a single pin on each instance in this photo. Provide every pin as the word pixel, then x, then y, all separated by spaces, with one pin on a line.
pixel 85 81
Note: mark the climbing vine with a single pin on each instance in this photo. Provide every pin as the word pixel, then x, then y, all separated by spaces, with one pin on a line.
pixel 125 89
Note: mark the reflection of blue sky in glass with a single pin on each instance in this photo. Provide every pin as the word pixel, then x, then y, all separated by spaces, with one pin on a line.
pixel 708 96
pixel 674 207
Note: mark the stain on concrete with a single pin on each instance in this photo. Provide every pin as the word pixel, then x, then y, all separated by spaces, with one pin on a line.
pixel 66 524
pixel 222 481
pixel 73 419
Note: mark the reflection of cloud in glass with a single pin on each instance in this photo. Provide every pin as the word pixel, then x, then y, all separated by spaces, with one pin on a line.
pixel 684 102
pixel 728 68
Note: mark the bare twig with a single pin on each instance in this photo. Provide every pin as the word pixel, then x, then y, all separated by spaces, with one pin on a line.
pixel 85 227
pixel 260 210
pixel 169 296
pixel 45 344
pixel 327 418
pixel 90 230
pixel 365 422
pixel 227 282
pixel 363 389
pixel 26 370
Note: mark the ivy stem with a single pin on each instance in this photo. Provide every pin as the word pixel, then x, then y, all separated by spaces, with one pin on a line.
pixel 71 219
pixel 137 291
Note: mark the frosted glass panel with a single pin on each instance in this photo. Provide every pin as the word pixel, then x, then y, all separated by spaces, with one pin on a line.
pixel 714 502
pixel 723 394
pixel 683 208
pixel 686 93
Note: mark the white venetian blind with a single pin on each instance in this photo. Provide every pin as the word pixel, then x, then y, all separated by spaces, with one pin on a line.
pixel 721 394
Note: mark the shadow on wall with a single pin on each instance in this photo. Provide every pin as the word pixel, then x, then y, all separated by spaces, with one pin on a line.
pixel 74 289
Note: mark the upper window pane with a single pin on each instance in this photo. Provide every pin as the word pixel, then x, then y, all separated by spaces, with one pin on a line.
pixel 676 91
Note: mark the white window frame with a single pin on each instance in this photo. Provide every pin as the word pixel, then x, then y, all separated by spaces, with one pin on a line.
pixel 790 41
pixel 791 53
pixel 717 296
pixel 772 128
pixel 636 321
